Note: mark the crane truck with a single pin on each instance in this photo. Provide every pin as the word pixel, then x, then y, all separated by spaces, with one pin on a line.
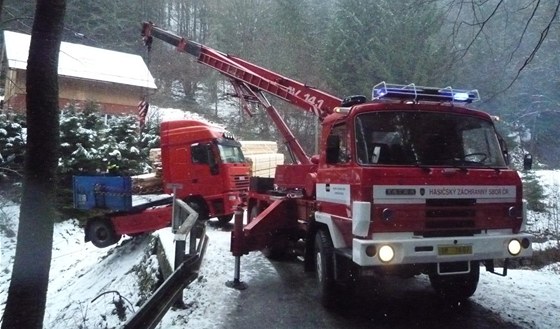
pixel 202 165
pixel 411 181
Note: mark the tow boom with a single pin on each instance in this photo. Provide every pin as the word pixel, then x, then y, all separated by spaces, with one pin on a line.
pixel 250 81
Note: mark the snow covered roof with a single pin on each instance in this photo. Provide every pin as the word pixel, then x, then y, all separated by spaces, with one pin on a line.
pixel 85 62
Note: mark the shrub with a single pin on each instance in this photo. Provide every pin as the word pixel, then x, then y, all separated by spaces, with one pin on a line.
pixel 89 143
pixel 533 192
pixel 12 145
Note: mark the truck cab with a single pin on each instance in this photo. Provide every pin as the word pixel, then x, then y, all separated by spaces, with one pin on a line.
pixel 202 164
pixel 414 183
pixel 207 163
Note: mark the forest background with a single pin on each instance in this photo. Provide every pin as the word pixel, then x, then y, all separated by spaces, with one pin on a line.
pixel 505 49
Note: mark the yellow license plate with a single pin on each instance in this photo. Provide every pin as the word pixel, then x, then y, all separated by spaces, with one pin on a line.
pixel 454 250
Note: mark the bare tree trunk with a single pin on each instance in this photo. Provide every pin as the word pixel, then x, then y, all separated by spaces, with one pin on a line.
pixel 27 295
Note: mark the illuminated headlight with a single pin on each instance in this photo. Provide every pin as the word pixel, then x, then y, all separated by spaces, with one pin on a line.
pixel 386 253
pixel 514 247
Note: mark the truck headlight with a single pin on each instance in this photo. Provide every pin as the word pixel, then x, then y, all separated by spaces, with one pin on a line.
pixel 514 247
pixel 386 253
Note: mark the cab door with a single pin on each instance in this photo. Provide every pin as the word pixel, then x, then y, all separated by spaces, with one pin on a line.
pixel 204 178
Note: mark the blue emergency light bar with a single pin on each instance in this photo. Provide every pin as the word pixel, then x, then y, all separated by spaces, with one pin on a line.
pixel 416 93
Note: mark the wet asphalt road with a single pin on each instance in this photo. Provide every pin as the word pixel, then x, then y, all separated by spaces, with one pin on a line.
pixel 287 298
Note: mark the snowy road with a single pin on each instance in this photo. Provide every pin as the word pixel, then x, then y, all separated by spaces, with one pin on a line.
pixel 287 299
pixel 280 294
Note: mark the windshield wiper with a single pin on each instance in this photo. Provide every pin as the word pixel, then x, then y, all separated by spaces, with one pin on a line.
pixel 465 164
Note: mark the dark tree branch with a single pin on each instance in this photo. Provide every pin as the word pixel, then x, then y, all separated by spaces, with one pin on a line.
pixel 482 24
pixel 524 30
pixel 543 36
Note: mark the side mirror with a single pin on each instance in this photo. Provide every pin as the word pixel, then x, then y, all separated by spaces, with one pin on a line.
pixel 527 162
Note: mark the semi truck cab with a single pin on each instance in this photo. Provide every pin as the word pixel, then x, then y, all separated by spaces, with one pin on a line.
pixel 208 163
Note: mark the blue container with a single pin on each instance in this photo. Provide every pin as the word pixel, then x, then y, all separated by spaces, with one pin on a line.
pixel 103 192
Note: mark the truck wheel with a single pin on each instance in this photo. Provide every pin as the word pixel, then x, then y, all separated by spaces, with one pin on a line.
pixel 456 287
pixel 324 267
pixel 200 208
pixel 101 233
pixel 224 219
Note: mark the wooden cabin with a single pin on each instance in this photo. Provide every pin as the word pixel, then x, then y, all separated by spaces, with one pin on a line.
pixel 115 80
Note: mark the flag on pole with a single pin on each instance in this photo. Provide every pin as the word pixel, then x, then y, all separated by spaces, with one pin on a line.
pixel 142 112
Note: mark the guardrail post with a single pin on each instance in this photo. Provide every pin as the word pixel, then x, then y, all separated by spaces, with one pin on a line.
pixel 186 267
pixel 236 250
pixel 179 258
pixel 180 240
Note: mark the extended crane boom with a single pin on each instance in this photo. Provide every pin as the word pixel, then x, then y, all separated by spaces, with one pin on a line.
pixel 250 81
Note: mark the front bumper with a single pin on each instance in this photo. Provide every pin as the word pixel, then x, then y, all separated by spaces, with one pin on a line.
pixel 410 249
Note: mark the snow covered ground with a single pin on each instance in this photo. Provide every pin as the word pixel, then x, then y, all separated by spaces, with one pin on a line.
pixel 86 282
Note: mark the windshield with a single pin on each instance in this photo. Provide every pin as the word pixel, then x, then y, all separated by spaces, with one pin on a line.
pixel 231 153
pixel 426 138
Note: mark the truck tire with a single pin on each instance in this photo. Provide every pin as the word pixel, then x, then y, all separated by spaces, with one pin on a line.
pixel 457 287
pixel 101 233
pixel 200 207
pixel 324 267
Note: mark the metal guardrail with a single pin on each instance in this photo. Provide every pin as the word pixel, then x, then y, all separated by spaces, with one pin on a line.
pixel 151 313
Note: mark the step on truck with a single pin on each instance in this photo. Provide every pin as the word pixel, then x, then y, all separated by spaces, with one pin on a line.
pixel 201 164
pixel 410 181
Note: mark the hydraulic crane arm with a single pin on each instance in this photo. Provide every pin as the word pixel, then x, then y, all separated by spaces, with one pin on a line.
pixel 303 96
pixel 250 81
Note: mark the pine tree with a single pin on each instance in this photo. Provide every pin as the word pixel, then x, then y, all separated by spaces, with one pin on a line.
pixel 374 41
pixel 533 192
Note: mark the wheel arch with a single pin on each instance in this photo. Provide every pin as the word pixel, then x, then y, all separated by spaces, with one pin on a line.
pixel 199 204
pixel 335 233
pixel 321 221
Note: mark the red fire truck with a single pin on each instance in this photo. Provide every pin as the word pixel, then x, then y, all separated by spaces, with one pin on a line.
pixel 202 164
pixel 410 181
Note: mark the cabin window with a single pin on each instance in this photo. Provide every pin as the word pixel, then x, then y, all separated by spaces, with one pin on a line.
pixel 199 155
pixel 337 145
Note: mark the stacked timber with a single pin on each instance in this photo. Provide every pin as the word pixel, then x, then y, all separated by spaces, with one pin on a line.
pixel 264 165
pixel 258 147
pixel 155 159
pixel 150 183
pixel 263 156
